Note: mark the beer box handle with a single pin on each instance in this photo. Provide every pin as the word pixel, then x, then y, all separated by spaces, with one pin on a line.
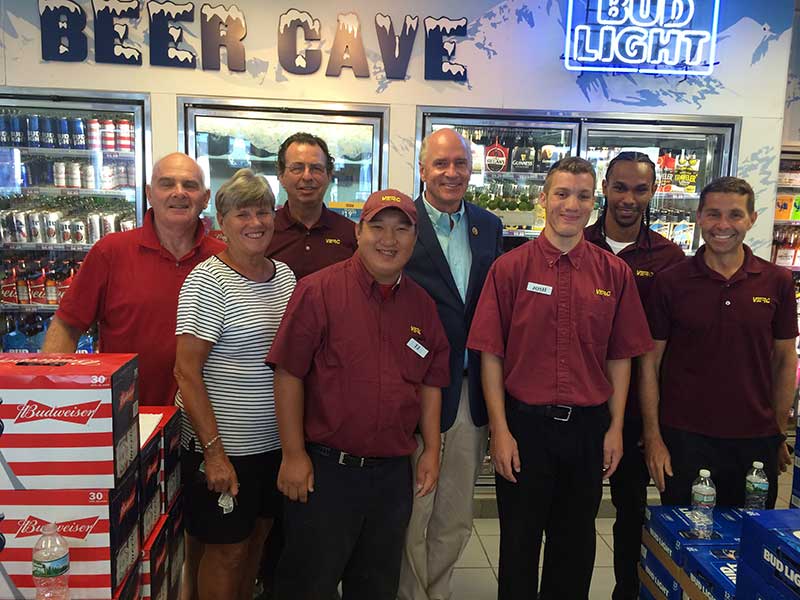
pixel 41 363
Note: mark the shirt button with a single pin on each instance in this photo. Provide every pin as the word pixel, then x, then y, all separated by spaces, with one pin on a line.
pixel 727 302
pixel 308 247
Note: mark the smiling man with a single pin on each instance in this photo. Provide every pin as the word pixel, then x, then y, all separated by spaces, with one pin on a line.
pixel 129 281
pixel 719 384
pixel 359 362
pixel 556 324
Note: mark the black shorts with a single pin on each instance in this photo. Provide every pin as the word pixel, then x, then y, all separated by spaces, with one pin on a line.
pixel 258 497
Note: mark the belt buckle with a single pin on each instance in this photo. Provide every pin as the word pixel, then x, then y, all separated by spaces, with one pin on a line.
pixel 569 413
pixel 342 456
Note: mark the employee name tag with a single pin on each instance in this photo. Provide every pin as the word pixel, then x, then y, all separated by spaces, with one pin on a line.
pixel 539 288
pixel 417 347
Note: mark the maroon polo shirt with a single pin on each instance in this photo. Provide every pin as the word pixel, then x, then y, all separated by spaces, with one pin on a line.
pixel 330 240
pixel 556 318
pixel 716 373
pixel 129 286
pixel 350 347
pixel 650 254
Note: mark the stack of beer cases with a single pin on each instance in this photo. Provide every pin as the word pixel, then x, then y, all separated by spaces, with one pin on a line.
pixel 162 523
pixel 69 454
pixel 769 564
pixel 706 562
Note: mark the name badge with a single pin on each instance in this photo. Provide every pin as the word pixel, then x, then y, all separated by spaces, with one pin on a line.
pixel 538 288
pixel 417 347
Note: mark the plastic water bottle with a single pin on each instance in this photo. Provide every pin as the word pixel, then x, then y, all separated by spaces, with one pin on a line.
pixel 704 498
pixel 51 565
pixel 756 487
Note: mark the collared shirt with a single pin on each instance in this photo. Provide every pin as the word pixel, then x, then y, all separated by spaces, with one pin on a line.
pixel 716 372
pixel 330 240
pixel 650 254
pixel 556 319
pixel 454 243
pixel 353 350
pixel 129 285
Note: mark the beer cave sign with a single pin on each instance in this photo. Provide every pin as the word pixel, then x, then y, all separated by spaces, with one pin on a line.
pixel 63 24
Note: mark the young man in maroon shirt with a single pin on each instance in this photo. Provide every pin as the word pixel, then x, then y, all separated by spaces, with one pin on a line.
pixel 556 324
pixel 623 228
pixel 360 359
pixel 718 386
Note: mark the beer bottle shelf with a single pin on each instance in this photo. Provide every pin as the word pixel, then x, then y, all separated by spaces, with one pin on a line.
pixel 75 153
pixel 29 308
pixel 514 174
pixel 789 186
pixel 519 232
pixel 786 222
pixel 65 191
pixel 32 246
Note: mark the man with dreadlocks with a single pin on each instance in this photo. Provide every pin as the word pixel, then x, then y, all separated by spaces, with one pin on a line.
pixel 623 228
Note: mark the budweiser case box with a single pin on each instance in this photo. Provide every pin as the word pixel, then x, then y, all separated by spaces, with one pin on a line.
pixel 67 421
pixel 149 472
pixel 176 547
pixel 155 562
pixel 671 527
pixel 660 576
pixel 771 548
pixel 712 570
pixel 751 586
pixel 131 588
pixel 100 526
pixel 169 429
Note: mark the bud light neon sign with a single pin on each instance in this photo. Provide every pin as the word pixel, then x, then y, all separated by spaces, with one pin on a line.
pixel 665 37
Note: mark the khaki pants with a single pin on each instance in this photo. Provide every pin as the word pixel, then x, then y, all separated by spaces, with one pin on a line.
pixel 441 522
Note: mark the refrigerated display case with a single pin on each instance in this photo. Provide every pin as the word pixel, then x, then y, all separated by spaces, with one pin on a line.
pixel 71 171
pixel 227 135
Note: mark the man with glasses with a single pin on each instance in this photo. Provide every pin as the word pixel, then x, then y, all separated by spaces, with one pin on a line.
pixel 308 236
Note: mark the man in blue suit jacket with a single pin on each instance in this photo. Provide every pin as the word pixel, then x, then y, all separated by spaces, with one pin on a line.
pixel 457 243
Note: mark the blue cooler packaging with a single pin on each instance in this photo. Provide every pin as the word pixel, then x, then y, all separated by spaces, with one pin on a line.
pixel 712 570
pixel 660 576
pixel 751 586
pixel 771 547
pixel 671 527
pixel 644 594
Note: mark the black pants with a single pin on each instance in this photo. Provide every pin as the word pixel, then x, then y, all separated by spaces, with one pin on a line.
pixel 351 530
pixel 557 493
pixel 629 495
pixel 729 460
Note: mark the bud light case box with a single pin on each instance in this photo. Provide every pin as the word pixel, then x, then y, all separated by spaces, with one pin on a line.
pixel 101 528
pixel 169 430
pixel 149 471
pixel 771 547
pixel 712 570
pixel 751 586
pixel 660 575
pixel 155 563
pixel 671 527
pixel 176 547
pixel 67 421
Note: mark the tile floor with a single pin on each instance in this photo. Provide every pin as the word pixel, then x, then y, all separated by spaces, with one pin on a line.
pixel 476 575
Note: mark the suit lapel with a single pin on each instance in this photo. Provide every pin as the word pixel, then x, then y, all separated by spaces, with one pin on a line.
pixel 427 238
pixel 477 238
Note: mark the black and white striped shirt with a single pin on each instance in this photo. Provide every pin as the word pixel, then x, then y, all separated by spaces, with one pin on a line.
pixel 240 317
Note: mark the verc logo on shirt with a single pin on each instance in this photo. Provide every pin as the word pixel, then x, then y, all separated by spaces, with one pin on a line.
pixel 761 300
pixel 415 329
pixel 333 241
pixel 600 292
pixel 643 273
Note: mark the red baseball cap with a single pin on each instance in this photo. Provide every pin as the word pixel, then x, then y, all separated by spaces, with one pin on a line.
pixel 381 199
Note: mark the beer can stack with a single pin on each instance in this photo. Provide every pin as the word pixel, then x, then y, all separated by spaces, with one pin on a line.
pixel 75 133
pixel 54 227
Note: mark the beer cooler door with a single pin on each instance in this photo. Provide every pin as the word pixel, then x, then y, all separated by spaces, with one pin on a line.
pixel 687 157
pixel 71 171
pixel 225 136
pixel 510 159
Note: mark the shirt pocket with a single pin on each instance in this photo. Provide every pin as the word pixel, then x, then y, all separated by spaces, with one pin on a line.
pixel 413 367
pixel 595 320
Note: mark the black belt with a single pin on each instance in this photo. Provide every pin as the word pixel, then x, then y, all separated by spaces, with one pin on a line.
pixel 350 460
pixel 557 412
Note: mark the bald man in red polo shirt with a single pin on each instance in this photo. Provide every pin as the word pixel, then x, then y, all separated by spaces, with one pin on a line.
pixel 718 386
pixel 556 324
pixel 360 359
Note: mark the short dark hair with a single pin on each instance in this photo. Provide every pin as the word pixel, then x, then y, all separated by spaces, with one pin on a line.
pixel 729 185
pixel 631 156
pixel 571 164
pixel 304 138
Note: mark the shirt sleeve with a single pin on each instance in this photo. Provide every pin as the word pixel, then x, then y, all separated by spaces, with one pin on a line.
pixel 301 332
pixel 658 310
pixel 630 334
pixel 201 306
pixel 490 325
pixel 784 324
pixel 438 374
pixel 84 302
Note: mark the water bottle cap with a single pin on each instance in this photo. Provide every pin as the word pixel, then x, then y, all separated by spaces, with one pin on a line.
pixel 758 464
pixel 705 473
pixel 49 528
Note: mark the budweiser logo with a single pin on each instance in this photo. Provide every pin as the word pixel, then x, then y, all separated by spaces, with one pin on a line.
pixel 77 529
pixel 127 396
pixel 74 413
pixel 127 505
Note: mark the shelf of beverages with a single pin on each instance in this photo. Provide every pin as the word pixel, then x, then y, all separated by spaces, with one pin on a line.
pixel 61 191
pixel 113 133
pixel 6 307
pixel 76 153
pixel 35 283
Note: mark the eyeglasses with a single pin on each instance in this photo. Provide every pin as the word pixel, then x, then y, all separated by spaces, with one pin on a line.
pixel 317 169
